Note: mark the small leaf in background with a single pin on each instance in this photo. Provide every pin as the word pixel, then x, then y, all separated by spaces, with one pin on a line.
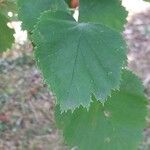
pixel 107 12
pixel 29 11
pixel 118 125
pixel 6 34
pixel 78 59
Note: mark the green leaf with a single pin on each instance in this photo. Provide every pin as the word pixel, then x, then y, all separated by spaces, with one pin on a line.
pixel 8 6
pixel 78 59
pixel 118 125
pixel 107 12
pixel 30 10
pixel 6 34
pixel 68 2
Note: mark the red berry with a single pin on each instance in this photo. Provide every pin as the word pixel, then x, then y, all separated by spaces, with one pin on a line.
pixel 74 3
